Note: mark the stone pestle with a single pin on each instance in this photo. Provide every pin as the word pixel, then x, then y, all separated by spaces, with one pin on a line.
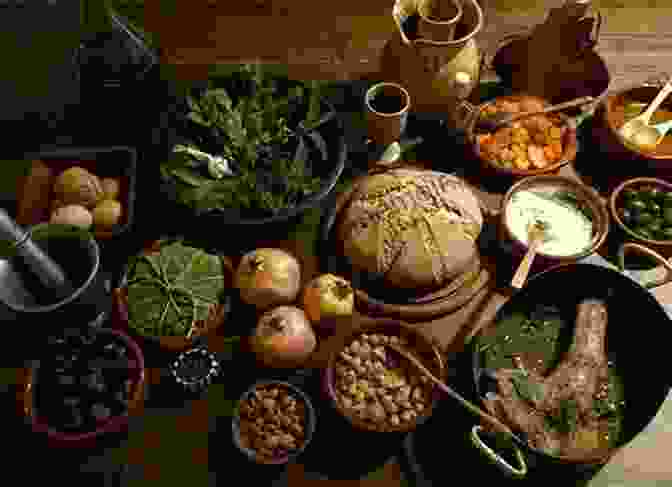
pixel 49 272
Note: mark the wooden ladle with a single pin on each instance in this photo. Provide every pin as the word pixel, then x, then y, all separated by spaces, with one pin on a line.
pixel 496 424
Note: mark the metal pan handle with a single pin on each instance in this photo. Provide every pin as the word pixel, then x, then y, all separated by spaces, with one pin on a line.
pixel 502 464
pixel 631 247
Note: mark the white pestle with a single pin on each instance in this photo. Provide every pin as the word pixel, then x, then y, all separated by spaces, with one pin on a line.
pixel 49 272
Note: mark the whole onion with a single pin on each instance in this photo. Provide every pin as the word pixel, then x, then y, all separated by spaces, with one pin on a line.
pixel 268 277
pixel 283 337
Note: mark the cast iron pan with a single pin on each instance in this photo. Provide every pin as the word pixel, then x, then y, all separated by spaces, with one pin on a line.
pixel 563 288
pixel 634 349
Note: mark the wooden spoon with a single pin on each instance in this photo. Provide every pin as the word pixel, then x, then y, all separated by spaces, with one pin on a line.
pixel 500 119
pixel 535 236
pixel 637 130
pixel 495 423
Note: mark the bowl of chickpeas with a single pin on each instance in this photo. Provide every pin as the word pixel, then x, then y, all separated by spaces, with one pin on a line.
pixel 376 390
pixel 535 145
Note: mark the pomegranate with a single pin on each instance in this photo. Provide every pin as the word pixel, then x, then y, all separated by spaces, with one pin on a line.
pixel 268 277
pixel 283 337
pixel 328 296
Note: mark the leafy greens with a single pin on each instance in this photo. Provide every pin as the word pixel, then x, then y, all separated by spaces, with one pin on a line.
pixel 170 290
pixel 249 128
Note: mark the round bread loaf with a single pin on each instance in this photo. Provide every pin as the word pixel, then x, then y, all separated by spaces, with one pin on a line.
pixel 416 228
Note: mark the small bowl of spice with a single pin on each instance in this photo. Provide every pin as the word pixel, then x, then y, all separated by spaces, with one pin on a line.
pixel 195 369
pixel 642 209
pixel 574 218
pixel 377 390
pixel 274 423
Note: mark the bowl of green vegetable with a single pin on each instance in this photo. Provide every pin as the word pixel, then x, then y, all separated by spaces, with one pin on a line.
pixel 171 294
pixel 642 209
pixel 253 148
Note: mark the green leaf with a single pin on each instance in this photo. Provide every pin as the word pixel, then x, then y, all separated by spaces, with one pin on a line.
pixel 169 291
pixel 189 177
pixel 198 118
pixel 221 97
pixel 527 388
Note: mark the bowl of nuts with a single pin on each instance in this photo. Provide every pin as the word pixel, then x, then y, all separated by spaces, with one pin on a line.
pixel 274 423
pixel 375 388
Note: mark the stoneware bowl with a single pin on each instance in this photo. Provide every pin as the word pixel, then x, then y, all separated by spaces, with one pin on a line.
pixel 115 424
pixel 586 197
pixel 616 203
pixel 611 116
pixel 311 420
pixel 418 343
pixel 569 142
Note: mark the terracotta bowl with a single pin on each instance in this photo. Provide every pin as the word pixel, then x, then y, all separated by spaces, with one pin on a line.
pixel 418 343
pixel 616 203
pixel 569 142
pixel 585 195
pixel 611 116
pixel 172 343
pixel 115 424
pixel 309 430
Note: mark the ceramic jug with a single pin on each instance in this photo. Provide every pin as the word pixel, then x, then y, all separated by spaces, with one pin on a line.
pixel 438 74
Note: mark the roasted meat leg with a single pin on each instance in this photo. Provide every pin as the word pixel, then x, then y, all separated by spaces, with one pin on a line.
pixel 577 379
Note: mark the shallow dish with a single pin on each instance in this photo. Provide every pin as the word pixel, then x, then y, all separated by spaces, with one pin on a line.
pixel 569 140
pixel 616 201
pixel 310 419
pixel 586 199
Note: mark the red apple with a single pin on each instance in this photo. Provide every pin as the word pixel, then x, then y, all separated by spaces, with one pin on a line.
pixel 328 296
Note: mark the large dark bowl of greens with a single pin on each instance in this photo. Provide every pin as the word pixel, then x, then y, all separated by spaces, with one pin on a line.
pixel 253 148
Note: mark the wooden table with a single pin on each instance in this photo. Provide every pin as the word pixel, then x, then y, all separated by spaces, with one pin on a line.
pixel 343 40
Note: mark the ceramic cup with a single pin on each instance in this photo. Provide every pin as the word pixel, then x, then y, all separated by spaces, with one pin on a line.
pixel 438 19
pixel 387 106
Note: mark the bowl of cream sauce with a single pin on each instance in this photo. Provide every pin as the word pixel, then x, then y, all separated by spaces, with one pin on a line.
pixel 575 219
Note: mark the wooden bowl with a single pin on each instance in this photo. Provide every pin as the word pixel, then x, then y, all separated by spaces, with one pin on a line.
pixel 216 319
pixel 114 424
pixel 569 141
pixel 611 116
pixel 585 196
pixel 418 343
pixel 309 429
pixel 615 203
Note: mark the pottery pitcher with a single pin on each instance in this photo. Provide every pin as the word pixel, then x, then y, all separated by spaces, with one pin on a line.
pixel 438 74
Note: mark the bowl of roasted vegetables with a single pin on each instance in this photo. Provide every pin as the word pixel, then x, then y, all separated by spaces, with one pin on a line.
pixel 539 144
pixel 253 147
pixel 642 209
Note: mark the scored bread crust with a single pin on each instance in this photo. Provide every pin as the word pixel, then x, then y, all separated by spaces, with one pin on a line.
pixel 417 228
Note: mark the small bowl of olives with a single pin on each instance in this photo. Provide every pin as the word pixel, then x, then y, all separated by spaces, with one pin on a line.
pixel 642 208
